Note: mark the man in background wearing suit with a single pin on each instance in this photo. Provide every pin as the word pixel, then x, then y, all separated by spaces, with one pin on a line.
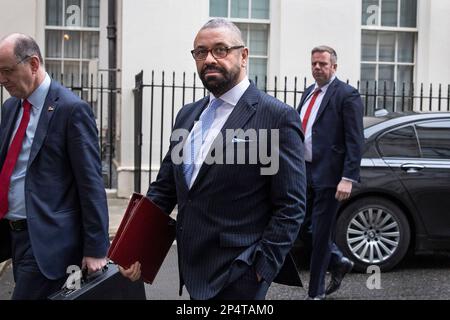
pixel 53 210
pixel 235 225
pixel 331 113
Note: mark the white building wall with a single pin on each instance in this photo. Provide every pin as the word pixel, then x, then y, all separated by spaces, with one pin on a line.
pixel 13 17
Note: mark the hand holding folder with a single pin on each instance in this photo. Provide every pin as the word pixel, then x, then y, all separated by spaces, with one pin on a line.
pixel 145 235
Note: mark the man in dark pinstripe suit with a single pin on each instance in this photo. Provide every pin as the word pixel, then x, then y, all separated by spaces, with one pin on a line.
pixel 236 220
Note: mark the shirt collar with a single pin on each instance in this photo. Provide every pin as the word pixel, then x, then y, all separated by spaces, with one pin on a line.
pixel 233 95
pixel 37 98
pixel 325 87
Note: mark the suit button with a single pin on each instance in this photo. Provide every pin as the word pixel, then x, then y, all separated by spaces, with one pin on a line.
pixel 314 131
pixel 180 228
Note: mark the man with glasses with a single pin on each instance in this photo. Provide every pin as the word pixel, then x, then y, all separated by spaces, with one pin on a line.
pixel 53 210
pixel 235 225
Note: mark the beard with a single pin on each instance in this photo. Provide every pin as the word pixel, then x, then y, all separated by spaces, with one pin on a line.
pixel 219 84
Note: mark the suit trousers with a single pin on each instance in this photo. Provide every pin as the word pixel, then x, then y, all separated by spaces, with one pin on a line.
pixel 245 287
pixel 31 284
pixel 317 231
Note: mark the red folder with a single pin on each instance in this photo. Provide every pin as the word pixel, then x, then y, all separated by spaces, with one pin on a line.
pixel 145 235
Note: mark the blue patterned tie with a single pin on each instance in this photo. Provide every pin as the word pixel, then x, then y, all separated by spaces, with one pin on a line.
pixel 198 137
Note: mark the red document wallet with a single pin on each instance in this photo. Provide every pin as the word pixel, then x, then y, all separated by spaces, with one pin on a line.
pixel 145 235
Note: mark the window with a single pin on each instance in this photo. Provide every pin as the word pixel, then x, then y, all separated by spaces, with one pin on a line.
pixel 388 40
pixel 252 18
pixel 72 39
pixel 434 139
pixel 400 143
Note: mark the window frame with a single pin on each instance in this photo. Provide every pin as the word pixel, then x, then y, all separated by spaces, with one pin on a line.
pixel 377 29
pixel 248 22
pixel 82 30
pixel 394 63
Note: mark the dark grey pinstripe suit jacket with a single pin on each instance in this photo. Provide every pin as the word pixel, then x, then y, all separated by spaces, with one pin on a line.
pixel 233 216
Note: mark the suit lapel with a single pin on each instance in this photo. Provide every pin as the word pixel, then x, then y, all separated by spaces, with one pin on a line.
pixel 330 92
pixel 304 96
pixel 49 108
pixel 9 127
pixel 241 114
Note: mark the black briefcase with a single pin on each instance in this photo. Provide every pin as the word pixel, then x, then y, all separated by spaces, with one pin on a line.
pixel 107 284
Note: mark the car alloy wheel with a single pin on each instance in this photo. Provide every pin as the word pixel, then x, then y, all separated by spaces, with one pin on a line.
pixel 373 231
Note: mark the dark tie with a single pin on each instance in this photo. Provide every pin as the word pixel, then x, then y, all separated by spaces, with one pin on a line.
pixel 198 137
pixel 308 110
pixel 11 158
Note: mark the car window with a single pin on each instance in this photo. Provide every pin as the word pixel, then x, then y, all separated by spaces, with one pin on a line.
pixel 434 139
pixel 401 143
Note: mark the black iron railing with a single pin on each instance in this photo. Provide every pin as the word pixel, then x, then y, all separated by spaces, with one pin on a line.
pixel 157 103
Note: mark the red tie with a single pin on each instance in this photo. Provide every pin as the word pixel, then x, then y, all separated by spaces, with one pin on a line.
pixel 308 110
pixel 11 158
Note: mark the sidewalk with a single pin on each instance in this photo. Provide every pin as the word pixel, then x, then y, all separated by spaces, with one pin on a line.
pixel 116 208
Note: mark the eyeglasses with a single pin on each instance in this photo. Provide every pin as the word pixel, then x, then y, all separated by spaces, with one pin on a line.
pixel 8 71
pixel 217 52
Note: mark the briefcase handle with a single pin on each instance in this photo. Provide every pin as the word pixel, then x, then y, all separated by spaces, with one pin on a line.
pixel 85 277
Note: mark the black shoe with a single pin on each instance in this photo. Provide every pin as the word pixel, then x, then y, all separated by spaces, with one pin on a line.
pixel 345 266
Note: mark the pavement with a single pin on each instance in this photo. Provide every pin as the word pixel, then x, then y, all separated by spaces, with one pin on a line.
pixel 116 208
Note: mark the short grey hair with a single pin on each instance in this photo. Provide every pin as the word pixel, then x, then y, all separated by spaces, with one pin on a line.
pixel 331 51
pixel 25 46
pixel 224 23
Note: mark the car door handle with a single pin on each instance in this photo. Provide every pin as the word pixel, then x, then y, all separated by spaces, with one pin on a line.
pixel 412 168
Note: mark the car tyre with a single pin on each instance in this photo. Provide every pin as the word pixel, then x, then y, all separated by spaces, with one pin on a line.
pixel 373 231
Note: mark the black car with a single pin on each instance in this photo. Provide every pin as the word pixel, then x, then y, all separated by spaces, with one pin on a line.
pixel 402 203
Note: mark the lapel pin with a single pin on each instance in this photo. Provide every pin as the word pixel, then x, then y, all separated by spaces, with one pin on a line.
pixel 51 108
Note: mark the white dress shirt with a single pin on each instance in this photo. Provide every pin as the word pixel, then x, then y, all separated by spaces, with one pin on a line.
pixel 230 99
pixel 16 195
pixel 312 116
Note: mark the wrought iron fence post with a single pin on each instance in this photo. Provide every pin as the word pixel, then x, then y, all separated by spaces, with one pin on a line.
pixel 448 98
pixel 138 129
pixel 394 95
pixel 403 96
pixel 439 97
pixel 195 88
pixel 275 88
pixel 161 139
pixel 295 92
pixel 421 97
pixel 152 92
pixel 101 117
pixel 411 90
pixel 431 98
pixel 173 100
